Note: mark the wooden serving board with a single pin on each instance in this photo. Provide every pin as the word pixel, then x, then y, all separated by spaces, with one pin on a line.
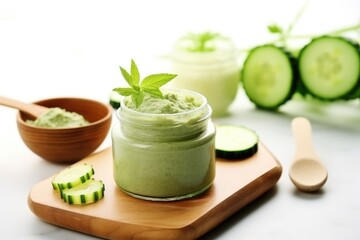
pixel 119 216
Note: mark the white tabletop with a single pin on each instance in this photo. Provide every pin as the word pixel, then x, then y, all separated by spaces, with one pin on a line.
pixel 73 48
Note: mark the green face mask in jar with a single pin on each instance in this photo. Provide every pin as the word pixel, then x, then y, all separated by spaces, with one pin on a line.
pixel 165 149
pixel 207 63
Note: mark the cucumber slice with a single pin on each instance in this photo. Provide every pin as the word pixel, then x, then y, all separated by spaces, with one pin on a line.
pixel 235 142
pixel 89 192
pixel 269 76
pixel 329 68
pixel 115 100
pixel 72 176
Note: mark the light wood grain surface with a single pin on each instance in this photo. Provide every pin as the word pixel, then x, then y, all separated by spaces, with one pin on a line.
pixel 118 215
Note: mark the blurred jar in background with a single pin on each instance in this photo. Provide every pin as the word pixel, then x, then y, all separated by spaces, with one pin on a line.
pixel 207 63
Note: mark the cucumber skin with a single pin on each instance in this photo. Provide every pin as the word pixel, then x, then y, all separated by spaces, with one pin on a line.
pixel 114 100
pixel 83 199
pixel 114 104
pixel 237 155
pixel 295 77
pixel 303 90
pixel 82 179
pixel 355 93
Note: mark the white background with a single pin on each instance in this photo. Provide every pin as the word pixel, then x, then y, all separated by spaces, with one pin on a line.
pixel 46 46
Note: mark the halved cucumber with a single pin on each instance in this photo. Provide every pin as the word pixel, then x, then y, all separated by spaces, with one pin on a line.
pixel 269 76
pixel 235 142
pixel 72 176
pixel 329 68
pixel 89 192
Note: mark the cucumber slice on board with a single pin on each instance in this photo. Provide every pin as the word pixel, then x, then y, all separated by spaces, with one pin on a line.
pixel 235 142
pixel 72 176
pixel 90 191
pixel 329 68
pixel 269 76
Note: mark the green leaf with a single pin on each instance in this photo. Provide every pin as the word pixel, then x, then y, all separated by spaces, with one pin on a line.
pixel 127 77
pixel 274 28
pixel 156 80
pixel 135 73
pixel 149 85
pixel 137 98
pixel 155 92
pixel 202 42
pixel 125 91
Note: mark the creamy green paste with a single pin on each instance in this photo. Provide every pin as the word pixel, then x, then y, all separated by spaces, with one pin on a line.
pixel 171 103
pixel 59 118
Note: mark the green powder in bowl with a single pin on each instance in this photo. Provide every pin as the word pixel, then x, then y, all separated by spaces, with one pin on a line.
pixel 59 118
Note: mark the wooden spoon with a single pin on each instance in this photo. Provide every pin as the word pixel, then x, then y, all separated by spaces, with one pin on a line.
pixel 32 109
pixel 307 172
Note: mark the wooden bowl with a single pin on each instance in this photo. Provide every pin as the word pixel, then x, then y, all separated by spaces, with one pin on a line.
pixel 67 145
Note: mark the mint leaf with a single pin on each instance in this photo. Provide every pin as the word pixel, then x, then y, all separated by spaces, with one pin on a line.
pixel 157 80
pixel 135 73
pixel 124 91
pixel 155 92
pixel 274 28
pixel 137 98
pixel 138 89
pixel 127 77
pixel 202 42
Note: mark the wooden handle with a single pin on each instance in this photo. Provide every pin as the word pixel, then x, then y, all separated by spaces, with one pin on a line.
pixel 304 147
pixel 32 109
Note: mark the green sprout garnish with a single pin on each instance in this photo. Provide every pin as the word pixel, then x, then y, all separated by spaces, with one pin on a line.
pixel 138 89
pixel 284 34
pixel 201 42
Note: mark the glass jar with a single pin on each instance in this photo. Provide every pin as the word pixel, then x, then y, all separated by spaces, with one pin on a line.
pixel 164 157
pixel 214 74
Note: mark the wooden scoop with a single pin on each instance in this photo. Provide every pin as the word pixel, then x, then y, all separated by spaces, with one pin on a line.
pixel 307 171
pixel 32 109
